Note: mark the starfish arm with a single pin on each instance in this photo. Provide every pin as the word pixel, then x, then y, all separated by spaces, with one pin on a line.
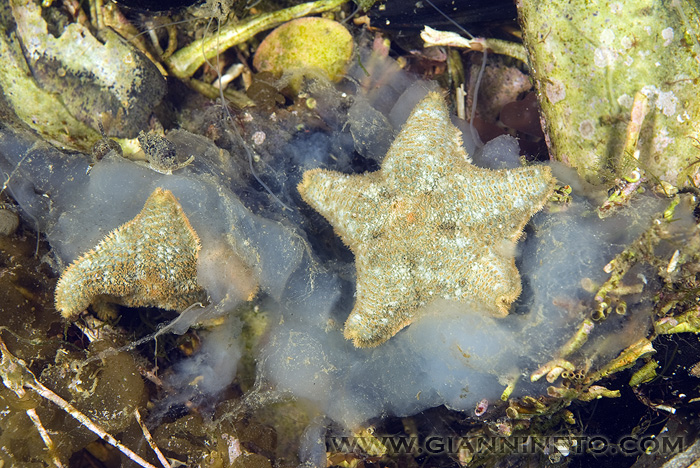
pixel 69 300
pixel 386 298
pixel 352 204
pixel 88 277
pixel 501 202
pixel 434 144
pixel 165 267
pixel 148 261
pixel 491 280
pixel 531 187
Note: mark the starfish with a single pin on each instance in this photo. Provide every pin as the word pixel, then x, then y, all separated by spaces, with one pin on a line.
pixel 150 261
pixel 428 225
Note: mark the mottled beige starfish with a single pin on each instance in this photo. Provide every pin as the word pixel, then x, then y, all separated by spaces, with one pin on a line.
pixel 427 225
pixel 150 261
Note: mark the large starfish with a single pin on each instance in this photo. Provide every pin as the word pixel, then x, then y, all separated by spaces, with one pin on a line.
pixel 150 261
pixel 427 225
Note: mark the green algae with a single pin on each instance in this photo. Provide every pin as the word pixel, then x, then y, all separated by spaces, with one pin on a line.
pixel 42 110
pixel 187 60
pixel 589 60
pixel 306 43
pixel 63 86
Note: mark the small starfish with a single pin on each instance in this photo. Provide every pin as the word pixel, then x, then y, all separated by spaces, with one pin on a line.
pixel 427 225
pixel 150 261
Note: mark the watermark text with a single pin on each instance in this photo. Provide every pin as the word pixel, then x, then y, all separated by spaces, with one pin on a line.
pixel 630 445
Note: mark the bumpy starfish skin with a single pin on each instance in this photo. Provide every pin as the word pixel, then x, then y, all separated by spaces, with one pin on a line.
pixel 427 225
pixel 150 261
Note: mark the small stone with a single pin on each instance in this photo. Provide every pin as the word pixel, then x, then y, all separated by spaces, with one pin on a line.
pixel 161 153
pixel 104 146
pixel 304 44
pixel 9 222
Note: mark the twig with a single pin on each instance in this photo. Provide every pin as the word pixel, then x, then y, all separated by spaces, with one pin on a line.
pixel 628 164
pixel 9 378
pixel 433 37
pixel 44 436
pixel 16 377
pixel 187 60
pixel 151 442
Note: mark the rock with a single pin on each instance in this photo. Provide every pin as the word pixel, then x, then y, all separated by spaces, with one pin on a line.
pixel 9 222
pixel 306 44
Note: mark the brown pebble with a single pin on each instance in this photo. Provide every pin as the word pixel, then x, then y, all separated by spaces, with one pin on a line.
pixel 9 222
